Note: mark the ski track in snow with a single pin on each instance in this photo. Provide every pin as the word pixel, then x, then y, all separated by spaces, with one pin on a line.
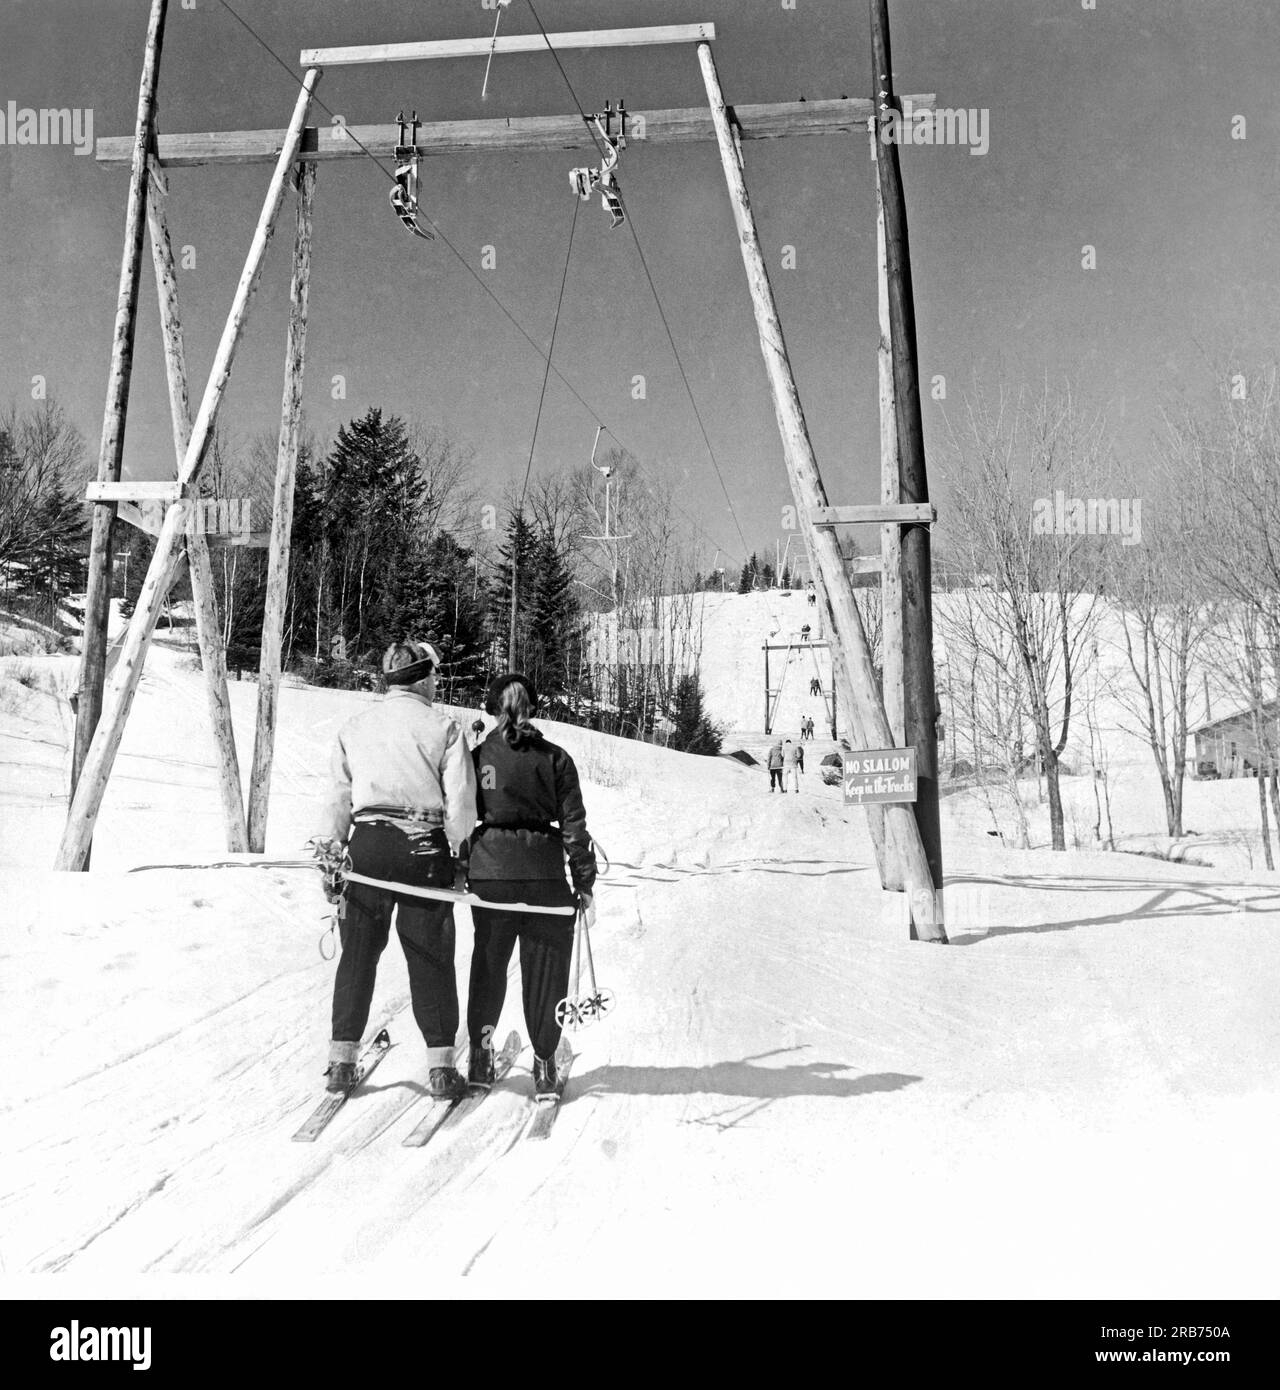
pixel 1076 1097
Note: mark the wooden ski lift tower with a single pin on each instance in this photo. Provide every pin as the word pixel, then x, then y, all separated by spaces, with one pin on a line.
pixel 906 839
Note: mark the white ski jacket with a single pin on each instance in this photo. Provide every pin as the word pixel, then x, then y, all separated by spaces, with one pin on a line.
pixel 402 752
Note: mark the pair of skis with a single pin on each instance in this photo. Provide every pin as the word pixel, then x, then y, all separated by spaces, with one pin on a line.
pixel 443 1113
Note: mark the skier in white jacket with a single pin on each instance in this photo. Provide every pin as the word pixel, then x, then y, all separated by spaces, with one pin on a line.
pixel 402 800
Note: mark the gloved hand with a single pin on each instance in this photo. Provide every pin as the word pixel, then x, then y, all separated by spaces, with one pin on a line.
pixel 329 856
pixel 587 906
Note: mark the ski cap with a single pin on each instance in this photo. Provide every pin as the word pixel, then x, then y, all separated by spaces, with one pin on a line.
pixel 493 696
pixel 410 661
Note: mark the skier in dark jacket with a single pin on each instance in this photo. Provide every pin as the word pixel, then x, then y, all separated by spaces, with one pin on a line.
pixel 531 820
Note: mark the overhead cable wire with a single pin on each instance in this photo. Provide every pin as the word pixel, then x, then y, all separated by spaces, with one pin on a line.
pixel 635 236
pixel 462 260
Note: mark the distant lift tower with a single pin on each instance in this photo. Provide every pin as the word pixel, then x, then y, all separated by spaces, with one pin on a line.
pixel 773 697
pixel 609 540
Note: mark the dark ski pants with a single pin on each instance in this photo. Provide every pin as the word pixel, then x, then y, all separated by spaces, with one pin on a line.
pixel 775 779
pixel 546 950
pixel 425 928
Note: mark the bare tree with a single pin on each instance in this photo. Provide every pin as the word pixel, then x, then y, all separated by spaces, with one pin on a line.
pixel 985 689
pixel 1042 582
pixel 1166 611
pixel 1239 453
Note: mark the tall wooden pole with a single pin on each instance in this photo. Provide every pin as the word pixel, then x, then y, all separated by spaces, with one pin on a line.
pixel 96 771
pixel 97 609
pixel 843 620
pixel 767 706
pixel 282 517
pixel 890 492
pixel 208 634
pixel 920 715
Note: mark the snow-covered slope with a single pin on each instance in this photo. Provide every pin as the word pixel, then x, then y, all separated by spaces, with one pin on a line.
pixel 1075 1098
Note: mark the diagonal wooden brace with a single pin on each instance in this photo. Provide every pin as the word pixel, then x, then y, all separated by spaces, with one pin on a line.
pixel 92 784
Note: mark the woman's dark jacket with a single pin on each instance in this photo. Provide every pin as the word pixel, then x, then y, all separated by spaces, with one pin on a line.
pixel 531 815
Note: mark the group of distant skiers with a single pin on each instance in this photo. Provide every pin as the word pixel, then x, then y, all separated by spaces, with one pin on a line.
pixel 415 802
pixel 786 767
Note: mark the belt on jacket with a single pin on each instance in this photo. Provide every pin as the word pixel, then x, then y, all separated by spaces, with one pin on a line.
pixel 367 813
pixel 541 827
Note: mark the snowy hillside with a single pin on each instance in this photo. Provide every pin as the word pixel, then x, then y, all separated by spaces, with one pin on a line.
pixel 1221 817
pixel 1075 1098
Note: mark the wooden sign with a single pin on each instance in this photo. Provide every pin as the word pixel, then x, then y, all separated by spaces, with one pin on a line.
pixel 879 775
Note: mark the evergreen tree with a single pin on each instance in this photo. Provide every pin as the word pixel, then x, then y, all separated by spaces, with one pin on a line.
pixel 747 579
pixel 518 549
pixel 693 732
pixel 767 576
pixel 372 491
pixel 57 555
pixel 439 593
pixel 555 626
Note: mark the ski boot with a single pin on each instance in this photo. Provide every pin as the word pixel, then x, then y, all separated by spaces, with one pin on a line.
pixel 341 1072
pixel 446 1083
pixel 545 1080
pixel 480 1067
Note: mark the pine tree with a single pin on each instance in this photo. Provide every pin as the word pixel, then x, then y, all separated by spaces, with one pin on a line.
pixel 520 543
pixel 439 593
pixel 372 492
pixel 555 627
pixel 56 559
pixel 693 731
pixel 747 579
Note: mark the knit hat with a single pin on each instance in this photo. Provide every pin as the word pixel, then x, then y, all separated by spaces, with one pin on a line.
pixel 493 697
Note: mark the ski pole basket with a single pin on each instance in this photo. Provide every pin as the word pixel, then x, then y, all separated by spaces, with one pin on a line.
pixel 580 1009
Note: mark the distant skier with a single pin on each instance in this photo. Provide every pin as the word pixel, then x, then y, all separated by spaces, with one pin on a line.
pixel 793 766
pixel 813 597
pixel 804 632
pixel 774 764
pixel 531 821
pixel 403 789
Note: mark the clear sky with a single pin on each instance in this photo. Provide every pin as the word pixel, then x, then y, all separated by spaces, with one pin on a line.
pixel 1110 126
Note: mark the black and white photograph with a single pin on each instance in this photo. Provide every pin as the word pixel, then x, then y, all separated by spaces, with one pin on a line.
pixel 640 657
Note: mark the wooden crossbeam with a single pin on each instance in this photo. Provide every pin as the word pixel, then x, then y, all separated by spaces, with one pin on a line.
pixel 905 513
pixel 513 43
pixel 134 490
pixel 767 121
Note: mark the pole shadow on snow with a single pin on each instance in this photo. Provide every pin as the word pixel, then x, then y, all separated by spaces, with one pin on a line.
pixel 741 1079
pixel 1208 900
pixel 792 868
